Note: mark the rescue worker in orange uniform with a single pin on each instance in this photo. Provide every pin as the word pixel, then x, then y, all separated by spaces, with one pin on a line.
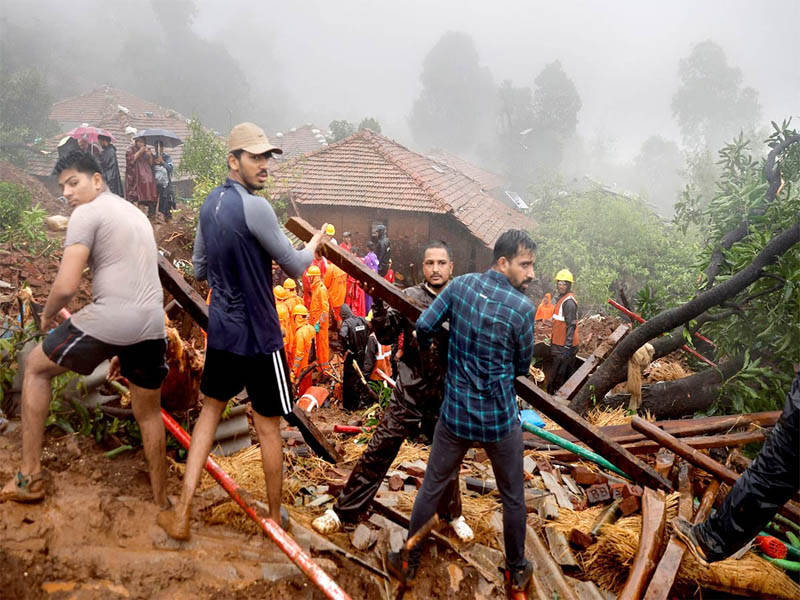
pixel 321 262
pixel 285 319
pixel 544 312
pixel 377 357
pixel 318 315
pixel 335 281
pixel 565 337
pixel 301 350
pixel 292 298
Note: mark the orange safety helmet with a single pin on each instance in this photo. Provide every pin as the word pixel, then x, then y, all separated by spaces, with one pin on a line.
pixel 313 270
pixel 300 310
pixel 289 284
pixel 280 292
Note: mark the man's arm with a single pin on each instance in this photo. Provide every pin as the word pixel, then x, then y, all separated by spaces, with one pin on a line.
pixel 66 284
pixel 570 311
pixel 263 224
pixel 524 347
pixel 199 256
pixel 430 321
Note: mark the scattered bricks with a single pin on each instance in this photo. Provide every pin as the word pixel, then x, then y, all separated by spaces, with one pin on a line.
pixel 578 503
pixel 616 490
pixel 632 490
pixel 584 476
pixel 415 481
pixel 415 471
pixel 396 483
pixel 363 537
pixel 629 505
pixel 598 493
pixel 580 540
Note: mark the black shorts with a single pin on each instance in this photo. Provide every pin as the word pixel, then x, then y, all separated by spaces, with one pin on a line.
pixel 143 364
pixel 265 376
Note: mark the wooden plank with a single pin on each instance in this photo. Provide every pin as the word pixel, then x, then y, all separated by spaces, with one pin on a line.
pixel 577 379
pixel 701 442
pixel 654 519
pixel 707 502
pixel 193 303
pixel 375 285
pixel 549 573
pixel 561 495
pixel 559 548
pixel 664 461
pixel 698 459
pixel 638 470
pixel 664 577
pixel 625 434
pixel 586 590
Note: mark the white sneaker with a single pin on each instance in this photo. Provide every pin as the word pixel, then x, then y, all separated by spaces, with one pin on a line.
pixel 328 523
pixel 463 531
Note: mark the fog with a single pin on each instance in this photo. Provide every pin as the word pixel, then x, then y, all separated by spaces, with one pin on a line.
pixel 316 61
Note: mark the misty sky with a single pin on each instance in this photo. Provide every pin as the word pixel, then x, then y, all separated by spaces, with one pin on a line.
pixel 349 59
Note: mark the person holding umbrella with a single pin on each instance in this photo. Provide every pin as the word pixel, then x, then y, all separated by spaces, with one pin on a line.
pixel 162 167
pixel 140 183
pixel 108 162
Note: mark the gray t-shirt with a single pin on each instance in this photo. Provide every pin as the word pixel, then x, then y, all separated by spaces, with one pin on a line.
pixel 127 299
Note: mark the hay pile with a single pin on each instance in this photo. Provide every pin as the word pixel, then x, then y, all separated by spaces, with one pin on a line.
pixel 608 561
pixel 666 370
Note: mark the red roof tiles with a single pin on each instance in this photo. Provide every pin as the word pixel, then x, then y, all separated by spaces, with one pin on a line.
pixel 370 170
pixel 298 141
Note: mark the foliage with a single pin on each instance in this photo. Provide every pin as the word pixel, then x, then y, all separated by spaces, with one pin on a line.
pixel 24 113
pixel 14 200
pixel 455 107
pixel 23 225
pixel 711 105
pixel 762 321
pixel 370 123
pixel 340 130
pixel 605 238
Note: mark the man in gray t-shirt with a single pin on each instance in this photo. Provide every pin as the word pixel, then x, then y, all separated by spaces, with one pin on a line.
pixel 124 322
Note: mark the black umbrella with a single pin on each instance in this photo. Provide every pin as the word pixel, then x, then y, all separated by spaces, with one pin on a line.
pixel 156 136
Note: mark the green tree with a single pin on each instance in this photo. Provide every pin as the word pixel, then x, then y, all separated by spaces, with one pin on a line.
pixel 340 130
pixel 24 113
pixel 455 107
pixel 657 169
pixel 710 104
pixel 370 123
pixel 556 104
pixel 515 117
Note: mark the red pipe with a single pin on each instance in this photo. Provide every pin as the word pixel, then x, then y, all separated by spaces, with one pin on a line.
pixel 685 348
pixel 242 497
pixel 351 429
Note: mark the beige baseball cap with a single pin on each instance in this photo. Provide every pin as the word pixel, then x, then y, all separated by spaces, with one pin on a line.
pixel 251 138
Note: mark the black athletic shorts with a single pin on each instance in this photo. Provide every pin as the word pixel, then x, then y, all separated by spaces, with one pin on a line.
pixel 143 364
pixel 265 376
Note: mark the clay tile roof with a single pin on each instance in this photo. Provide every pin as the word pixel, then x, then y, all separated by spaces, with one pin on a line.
pixel 298 141
pixel 101 108
pixel 488 180
pixel 372 171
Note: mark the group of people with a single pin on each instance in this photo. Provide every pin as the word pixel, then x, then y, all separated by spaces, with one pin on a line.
pixel 454 384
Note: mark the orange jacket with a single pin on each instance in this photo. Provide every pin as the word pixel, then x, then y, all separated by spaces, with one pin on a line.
pixel 285 318
pixel 318 310
pixel 292 301
pixel 336 282
pixel 545 309
pixel 322 263
pixel 303 340
pixel 383 361
pixel 559 336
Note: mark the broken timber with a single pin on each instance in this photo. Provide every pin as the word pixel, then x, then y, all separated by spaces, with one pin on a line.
pixel 664 577
pixel 591 435
pixel 698 459
pixel 573 384
pixel 654 519
pixel 195 306
pixel 549 574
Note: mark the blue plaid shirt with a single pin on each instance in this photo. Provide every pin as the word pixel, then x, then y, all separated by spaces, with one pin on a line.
pixel 491 342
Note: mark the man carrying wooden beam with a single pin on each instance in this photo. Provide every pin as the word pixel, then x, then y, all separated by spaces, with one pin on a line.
pixel 491 342
pixel 237 239
pixel 765 486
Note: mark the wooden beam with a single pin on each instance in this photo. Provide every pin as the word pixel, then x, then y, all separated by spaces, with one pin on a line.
pixel 654 519
pixel 698 459
pixel 667 570
pixel 707 502
pixel 637 469
pixel 574 383
pixel 559 549
pixel 193 303
pixel 548 572
pixel 702 442
pixel 375 285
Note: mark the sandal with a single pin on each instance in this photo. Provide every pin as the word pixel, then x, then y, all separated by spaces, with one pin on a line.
pixel 27 488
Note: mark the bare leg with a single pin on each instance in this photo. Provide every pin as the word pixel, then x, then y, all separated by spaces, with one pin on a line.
pixel 147 410
pixel 269 435
pixel 176 522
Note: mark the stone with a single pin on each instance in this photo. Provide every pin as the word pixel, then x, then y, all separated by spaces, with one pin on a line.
pixel 320 500
pixel 584 476
pixel 57 222
pixel 629 505
pixel 396 483
pixel 598 493
pixel 363 537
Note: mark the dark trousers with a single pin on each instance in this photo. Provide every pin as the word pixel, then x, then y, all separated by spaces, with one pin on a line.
pixel 765 486
pixel 401 418
pixel 562 368
pixel 447 452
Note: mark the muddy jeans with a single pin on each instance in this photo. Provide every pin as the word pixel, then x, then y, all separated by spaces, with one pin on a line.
pixel 444 462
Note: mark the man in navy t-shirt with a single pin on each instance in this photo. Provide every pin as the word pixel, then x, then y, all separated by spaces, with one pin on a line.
pixel 237 239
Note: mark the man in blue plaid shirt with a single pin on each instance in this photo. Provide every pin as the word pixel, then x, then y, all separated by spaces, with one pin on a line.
pixel 491 342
